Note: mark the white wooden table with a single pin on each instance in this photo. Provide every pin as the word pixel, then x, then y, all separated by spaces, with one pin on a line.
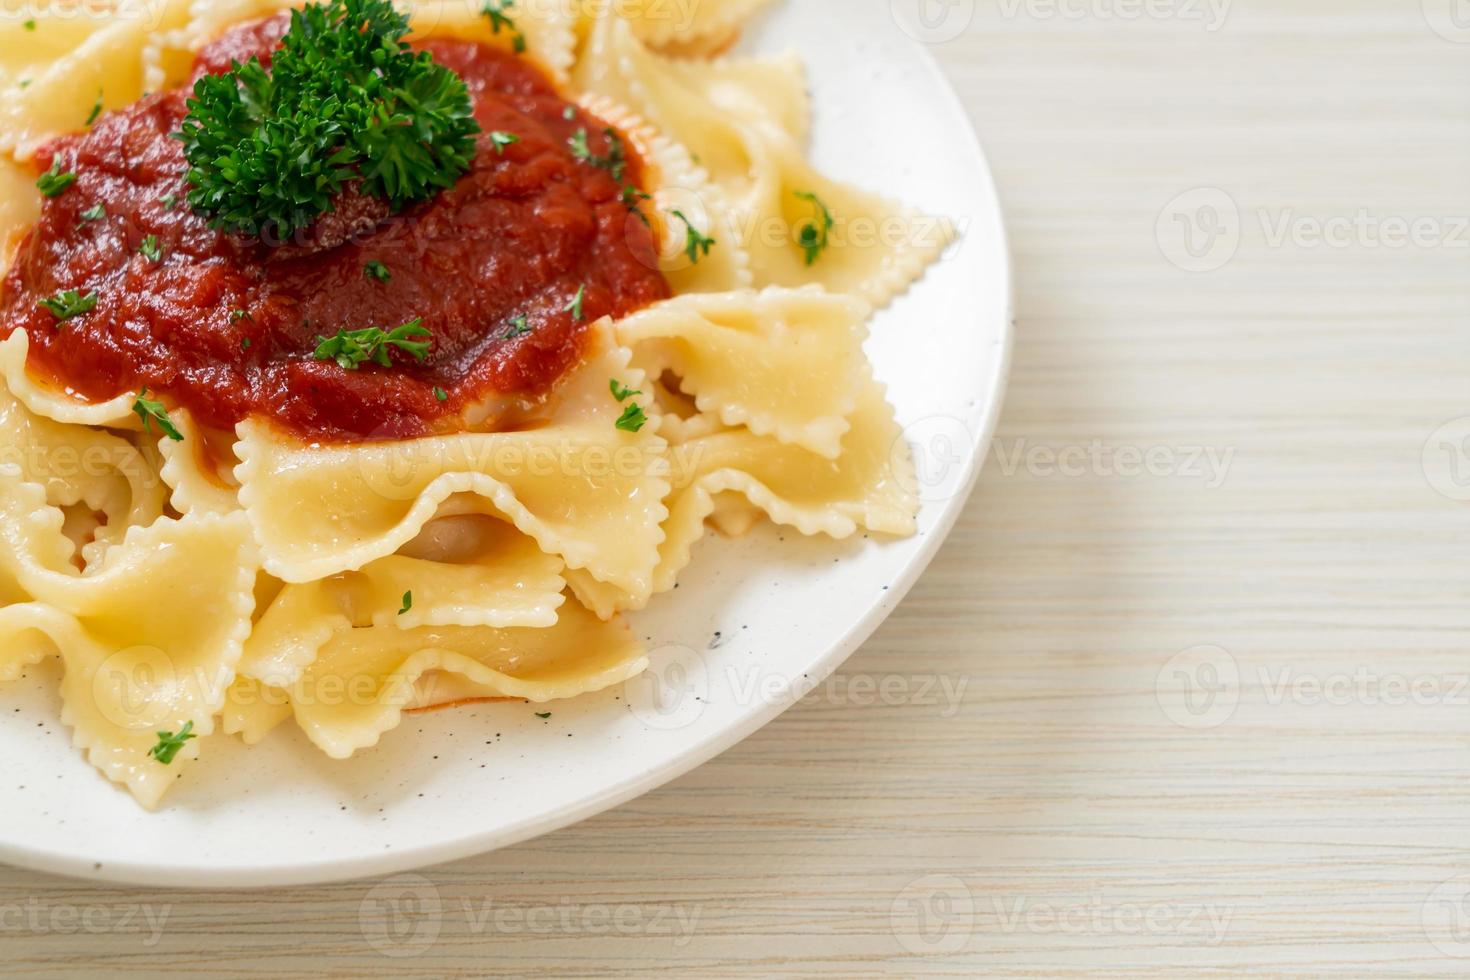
pixel 1188 691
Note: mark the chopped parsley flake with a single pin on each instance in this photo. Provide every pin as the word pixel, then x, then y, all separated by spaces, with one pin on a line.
pixel 170 743
pixel 815 235
pixel 244 343
pixel 30 25
pixel 519 327
pixel 54 181
pixel 633 418
pixel 149 411
pixel 377 270
pixel 353 348
pixel 96 109
pixel 620 392
pixel 569 113
pixel 345 102
pixel 632 197
pixel 25 83
pixel 95 213
pixel 407 602
pixel 575 306
pixel 501 140
pixel 616 161
pixel 169 200
pixel 441 394
pixel 696 245
pixel 496 11
pixel 237 315
pixel 150 249
pixel 543 714
pixel 69 303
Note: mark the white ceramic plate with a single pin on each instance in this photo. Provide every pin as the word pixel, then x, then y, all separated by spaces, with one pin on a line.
pixel 753 625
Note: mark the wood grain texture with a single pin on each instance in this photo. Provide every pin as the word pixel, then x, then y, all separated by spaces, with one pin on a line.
pixel 1073 803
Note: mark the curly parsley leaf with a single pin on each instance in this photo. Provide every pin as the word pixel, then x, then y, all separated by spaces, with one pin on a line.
pixel 632 198
pixel 69 303
pixel 575 306
pixel 169 743
pixel 696 245
pixel 815 235
pixel 620 391
pixel 344 101
pixel 614 162
pixel 496 11
pixel 149 411
pixel 353 348
pixel 633 418
pixel 55 180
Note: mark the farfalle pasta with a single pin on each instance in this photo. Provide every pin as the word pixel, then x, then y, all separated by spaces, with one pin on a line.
pixel 359 358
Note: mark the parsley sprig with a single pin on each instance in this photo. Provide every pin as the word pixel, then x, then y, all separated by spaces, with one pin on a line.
pixel 696 244
pixel 169 743
pixel 632 199
pixel 149 411
pixel 632 419
pixel 353 348
pixel 496 11
pixel 69 303
pixel 614 162
pixel 815 235
pixel 345 100
pixel 575 305
pixel 55 180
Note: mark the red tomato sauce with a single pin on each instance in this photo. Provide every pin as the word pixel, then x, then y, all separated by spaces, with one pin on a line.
pixel 225 325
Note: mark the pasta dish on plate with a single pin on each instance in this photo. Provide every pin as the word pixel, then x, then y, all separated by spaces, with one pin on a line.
pixel 369 356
